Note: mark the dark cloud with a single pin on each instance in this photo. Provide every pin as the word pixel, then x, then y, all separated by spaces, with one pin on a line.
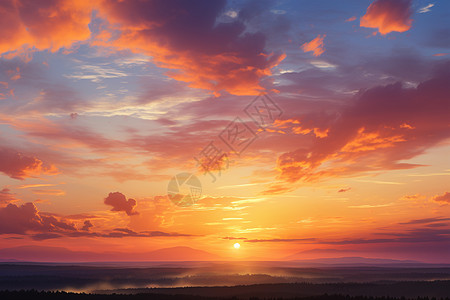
pixel 26 218
pixel 185 38
pixel 414 235
pixel 119 202
pixel 426 221
pixel 280 240
pixel 87 225
pixel 381 128
pixel 17 165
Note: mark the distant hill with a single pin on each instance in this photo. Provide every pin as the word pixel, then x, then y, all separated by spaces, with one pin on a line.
pixel 61 254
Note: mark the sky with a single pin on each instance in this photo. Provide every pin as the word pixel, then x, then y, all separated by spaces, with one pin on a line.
pixel 298 129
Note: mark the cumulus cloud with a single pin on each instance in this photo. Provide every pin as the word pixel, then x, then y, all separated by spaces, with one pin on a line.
pixel 315 46
pixel 26 218
pixel 388 16
pixel 119 202
pixel 19 166
pixel 444 198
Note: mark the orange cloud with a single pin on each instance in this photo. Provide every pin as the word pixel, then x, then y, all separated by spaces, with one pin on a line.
pixel 368 141
pixel 388 16
pixel 185 39
pixel 182 37
pixel 366 138
pixel 444 198
pixel 301 129
pixel 316 46
pixel 6 196
pixel 19 166
pixel 41 25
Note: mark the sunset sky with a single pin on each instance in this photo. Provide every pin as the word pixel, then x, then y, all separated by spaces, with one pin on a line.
pixel 103 102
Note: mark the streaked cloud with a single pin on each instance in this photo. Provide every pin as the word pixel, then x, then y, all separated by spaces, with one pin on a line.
pixel 316 46
pixel 426 8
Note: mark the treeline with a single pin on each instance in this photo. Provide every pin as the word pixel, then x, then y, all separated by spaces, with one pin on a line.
pixel 37 295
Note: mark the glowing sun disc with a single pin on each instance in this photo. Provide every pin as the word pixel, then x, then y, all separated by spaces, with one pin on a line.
pixel 237 246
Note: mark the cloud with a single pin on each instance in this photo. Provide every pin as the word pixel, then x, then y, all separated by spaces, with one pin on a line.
pixel 370 133
pixel 425 9
pixel 22 219
pixel 19 166
pixel 351 19
pixel 87 225
pixel 180 36
pixel 26 219
pixel 370 205
pixel 316 45
pixel 444 198
pixel 426 220
pixel 41 25
pixel 6 196
pixel 119 203
pixel 412 236
pixel 280 240
pixel 126 232
pixel 185 38
pixel 388 16
pixel 344 190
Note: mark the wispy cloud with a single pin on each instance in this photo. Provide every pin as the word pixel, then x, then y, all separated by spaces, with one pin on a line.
pixel 426 8
pixel 371 205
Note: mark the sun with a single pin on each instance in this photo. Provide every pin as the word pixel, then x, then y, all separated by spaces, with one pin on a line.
pixel 237 246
